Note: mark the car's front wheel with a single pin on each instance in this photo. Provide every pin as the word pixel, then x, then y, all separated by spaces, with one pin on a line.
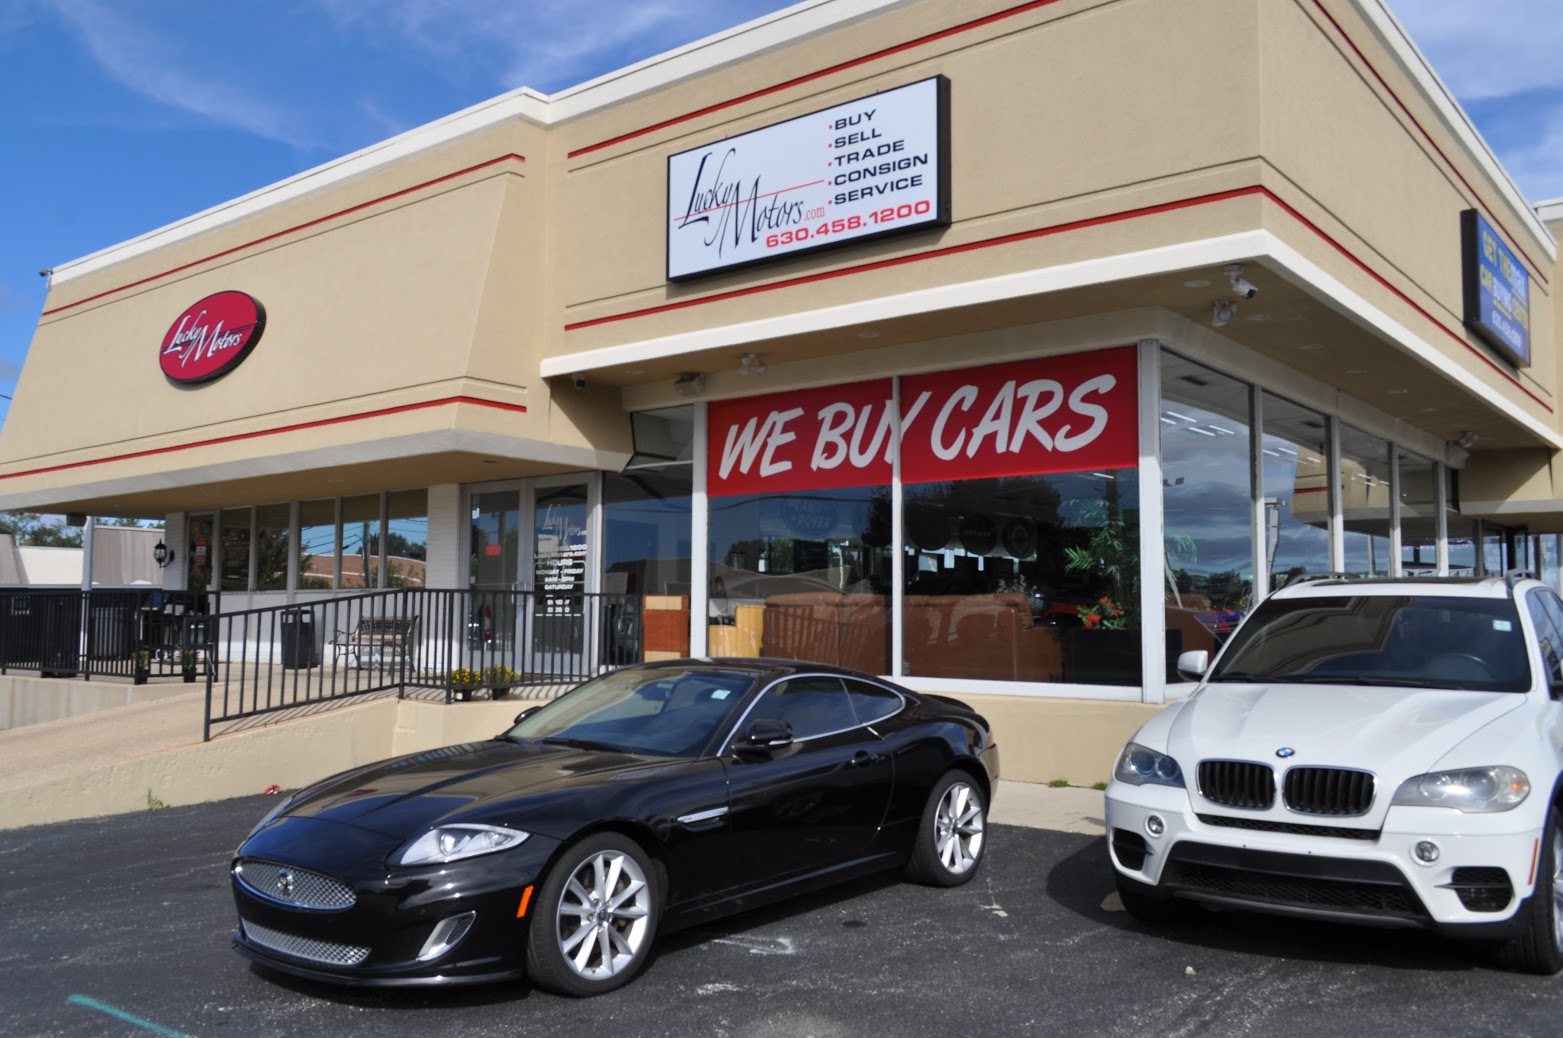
pixel 1540 948
pixel 952 833
pixel 597 913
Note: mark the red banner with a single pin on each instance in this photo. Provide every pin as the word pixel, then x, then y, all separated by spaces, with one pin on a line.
pixel 813 439
pixel 1056 414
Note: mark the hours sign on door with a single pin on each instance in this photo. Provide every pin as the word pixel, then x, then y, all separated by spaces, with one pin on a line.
pixel 877 165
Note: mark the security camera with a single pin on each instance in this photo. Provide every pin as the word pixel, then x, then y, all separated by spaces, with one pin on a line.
pixel 1241 286
pixel 578 381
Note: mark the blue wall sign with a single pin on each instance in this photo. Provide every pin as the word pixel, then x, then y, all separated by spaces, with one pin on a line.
pixel 1497 289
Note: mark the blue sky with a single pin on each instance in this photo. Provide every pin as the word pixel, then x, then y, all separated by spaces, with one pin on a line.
pixel 120 116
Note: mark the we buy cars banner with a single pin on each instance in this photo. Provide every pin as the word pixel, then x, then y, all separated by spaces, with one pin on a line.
pixel 1057 414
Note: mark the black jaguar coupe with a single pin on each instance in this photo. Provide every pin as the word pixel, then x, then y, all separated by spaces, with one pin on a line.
pixel 644 800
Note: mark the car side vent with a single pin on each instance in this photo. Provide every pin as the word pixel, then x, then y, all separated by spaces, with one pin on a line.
pixel 1237 783
pixel 1329 791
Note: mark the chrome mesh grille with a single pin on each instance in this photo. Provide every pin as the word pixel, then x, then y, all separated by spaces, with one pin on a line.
pixel 305 947
pixel 1328 791
pixel 1237 783
pixel 298 887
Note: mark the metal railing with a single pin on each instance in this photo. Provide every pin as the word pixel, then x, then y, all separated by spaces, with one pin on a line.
pixel 453 644
pixel 99 633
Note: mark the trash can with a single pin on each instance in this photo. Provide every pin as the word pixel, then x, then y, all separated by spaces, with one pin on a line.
pixel 61 636
pixel 300 649
pixel 112 632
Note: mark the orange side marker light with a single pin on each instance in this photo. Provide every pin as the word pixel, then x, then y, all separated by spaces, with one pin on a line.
pixel 1534 854
pixel 526 899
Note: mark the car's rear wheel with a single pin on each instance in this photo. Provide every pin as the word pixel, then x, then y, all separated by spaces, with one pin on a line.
pixel 1145 903
pixel 1540 948
pixel 596 917
pixel 952 833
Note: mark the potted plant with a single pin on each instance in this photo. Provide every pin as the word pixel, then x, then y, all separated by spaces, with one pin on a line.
pixel 143 666
pixel 462 683
pixel 187 664
pixel 500 679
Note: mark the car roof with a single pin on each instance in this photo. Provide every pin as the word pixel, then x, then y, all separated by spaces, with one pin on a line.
pixel 1334 584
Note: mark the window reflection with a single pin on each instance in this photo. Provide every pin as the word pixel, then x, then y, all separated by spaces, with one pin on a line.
pixel 406 538
pixel 235 533
pixel 1206 502
pixel 802 576
pixel 271 548
pixel 1364 478
pixel 496 544
pixel 1024 578
pixel 1297 498
pixel 1418 515
pixel 360 536
pixel 317 544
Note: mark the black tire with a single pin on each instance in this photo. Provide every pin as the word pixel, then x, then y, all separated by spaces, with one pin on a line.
pixel 1540 948
pixel 1145 903
pixel 952 833
pixel 579 948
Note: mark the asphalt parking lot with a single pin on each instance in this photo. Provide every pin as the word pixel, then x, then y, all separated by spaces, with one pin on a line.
pixel 119 927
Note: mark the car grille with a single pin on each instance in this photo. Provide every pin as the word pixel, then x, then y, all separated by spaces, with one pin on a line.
pixel 300 888
pixel 1328 791
pixel 1298 881
pixel 1482 888
pixel 308 948
pixel 1237 783
pixel 1265 826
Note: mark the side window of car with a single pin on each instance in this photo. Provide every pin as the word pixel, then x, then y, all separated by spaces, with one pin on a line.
pixel 1547 617
pixel 871 702
pixel 812 705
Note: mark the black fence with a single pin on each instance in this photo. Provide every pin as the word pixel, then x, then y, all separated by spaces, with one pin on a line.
pixel 123 633
pixel 448 645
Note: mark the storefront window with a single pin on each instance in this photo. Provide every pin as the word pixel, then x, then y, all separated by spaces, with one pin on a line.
pixel 1206 504
pixel 1021 521
pixel 317 545
pixel 1364 478
pixel 1463 557
pixel 406 538
pixel 646 545
pixel 199 551
pixel 1296 491
pixel 1418 516
pixel 271 547
pixel 1546 549
pixel 235 549
pixel 360 541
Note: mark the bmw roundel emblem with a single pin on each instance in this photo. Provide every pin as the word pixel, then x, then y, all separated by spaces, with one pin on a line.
pixel 1284 752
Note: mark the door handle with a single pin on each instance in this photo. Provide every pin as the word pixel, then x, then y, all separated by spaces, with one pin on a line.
pixel 862 759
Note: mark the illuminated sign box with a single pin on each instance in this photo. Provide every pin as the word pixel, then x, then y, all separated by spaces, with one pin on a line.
pixel 875 166
pixel 1497 289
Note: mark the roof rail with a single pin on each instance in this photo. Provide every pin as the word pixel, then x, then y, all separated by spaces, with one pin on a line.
pixel 1514 576
pixel 1305 577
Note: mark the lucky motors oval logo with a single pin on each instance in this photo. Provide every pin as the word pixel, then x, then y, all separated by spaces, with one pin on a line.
pixel 212 337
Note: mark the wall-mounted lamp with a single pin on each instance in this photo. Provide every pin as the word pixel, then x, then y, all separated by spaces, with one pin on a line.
pixel 162 554
pixel 1221 313
pixel 751 364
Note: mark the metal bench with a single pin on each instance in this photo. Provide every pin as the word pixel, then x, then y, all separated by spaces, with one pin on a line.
pixel 374 640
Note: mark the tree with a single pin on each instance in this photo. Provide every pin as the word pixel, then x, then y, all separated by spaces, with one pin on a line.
pixel 34 530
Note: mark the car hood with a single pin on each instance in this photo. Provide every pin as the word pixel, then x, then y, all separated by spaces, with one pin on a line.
pixel 499 782
pixel 1390 731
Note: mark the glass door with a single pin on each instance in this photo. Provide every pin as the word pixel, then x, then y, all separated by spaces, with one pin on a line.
pixel 559 573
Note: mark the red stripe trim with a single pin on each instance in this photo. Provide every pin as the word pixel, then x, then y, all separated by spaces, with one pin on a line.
pixel 1075 225
pixel 1535 269
pixel 811 76
pixel 291 230
pixel 297 426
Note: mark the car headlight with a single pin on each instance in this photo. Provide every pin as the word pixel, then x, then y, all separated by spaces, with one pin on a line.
pixel 1495 788
pixel 1140 766
pixel 462 840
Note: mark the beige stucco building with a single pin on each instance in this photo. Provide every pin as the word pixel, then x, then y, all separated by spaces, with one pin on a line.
pixel 1176 302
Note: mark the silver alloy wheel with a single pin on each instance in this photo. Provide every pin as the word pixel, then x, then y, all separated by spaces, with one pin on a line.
pixel 603 915
pixel 958 828
pixel 1557 887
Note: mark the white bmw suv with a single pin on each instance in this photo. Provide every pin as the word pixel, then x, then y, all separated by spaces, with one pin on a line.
pixel 1373 751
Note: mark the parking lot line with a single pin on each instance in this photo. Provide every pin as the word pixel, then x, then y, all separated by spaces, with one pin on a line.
pixel 120 1014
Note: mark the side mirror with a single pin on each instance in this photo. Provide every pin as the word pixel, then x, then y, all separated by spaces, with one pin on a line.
pixel 528 712
pixel 1193 664
pixel 765 735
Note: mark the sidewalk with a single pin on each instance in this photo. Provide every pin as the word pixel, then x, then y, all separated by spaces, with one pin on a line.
pixel 1068 809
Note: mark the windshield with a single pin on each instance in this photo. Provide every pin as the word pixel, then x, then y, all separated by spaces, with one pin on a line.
pixel 1420 641
pixel 664 712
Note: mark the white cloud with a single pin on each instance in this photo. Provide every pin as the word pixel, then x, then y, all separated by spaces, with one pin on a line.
pixel 156 67
pixel 1488 50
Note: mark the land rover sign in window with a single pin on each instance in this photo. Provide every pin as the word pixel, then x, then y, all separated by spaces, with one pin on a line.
pixel 877 165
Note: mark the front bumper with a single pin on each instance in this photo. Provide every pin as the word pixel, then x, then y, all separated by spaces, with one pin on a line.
pixel 390 933
pixel 1322 868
